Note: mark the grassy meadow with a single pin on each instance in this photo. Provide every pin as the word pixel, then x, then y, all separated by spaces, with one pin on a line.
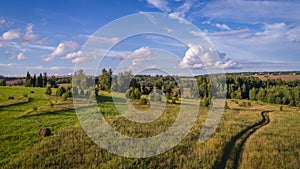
pixel 250 135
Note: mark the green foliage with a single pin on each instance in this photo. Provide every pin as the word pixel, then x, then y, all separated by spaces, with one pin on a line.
pixel 143 101
pixel 105 80
pixel 168 96
pixel 2 82
pixel 226 105
pixel 25 95
pixel 48 90
pixel 133 93
pixel 64 96
pixel 60 91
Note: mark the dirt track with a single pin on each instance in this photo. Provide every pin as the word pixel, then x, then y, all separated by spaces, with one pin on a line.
pixel 234 148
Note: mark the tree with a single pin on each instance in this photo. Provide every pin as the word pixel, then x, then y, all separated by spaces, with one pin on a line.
pixel 60 91
pixel 28 80
pixel 45 79
pixel 2 82
pixel 253 93
pixel 48 91
pixel 105 80
pixel 52 81
pixel 34 81
pixel 39 82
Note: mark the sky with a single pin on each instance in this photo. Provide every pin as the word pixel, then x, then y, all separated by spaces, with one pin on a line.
pixel 49 36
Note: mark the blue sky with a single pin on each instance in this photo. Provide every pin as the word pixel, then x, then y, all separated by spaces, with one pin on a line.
pixel 39 36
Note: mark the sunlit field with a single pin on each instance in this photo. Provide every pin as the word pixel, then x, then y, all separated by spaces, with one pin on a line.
pixel 250 135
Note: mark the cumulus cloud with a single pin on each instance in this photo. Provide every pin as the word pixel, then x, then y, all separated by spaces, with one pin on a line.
pixel 138 55
pixel 160 4
pixel 11 35
pixel 62 48
pixel 21 56
pixel 198 58
pixel 29 35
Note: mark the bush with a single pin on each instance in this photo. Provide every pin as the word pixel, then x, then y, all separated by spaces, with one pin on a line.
pixel 281 108
pixel 11 98
pixel 249 104
pixel 64 96
pixel 25 95
pixel 48 91
pixel 34 108
pixel 143 101
pixel 31 91
pixel 168 97
pixel 226 105
pixel 60 91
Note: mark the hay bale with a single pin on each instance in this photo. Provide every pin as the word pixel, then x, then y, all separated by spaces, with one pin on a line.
pixel 45 132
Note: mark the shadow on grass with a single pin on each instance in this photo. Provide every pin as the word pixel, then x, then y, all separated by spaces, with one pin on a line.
pixel 236 149
pixel 17 103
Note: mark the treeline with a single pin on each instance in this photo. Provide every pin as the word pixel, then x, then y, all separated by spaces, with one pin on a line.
pixel 43 80
pixel 237 87
pixel 272 91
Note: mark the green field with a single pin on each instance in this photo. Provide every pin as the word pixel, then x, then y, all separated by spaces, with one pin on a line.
pixel 256 136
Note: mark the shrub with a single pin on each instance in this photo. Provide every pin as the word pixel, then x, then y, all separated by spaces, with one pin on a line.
pixel 226 105
pixel 34 108
pixel 60 91
pixel 64 96
pixel 31 91
pixel 48 91
pixel 168 97
pixel 143 101
pixel 281 108
pixel 249 104
pixel 11 98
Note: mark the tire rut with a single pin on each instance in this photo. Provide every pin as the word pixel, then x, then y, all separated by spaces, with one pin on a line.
pixel 235 149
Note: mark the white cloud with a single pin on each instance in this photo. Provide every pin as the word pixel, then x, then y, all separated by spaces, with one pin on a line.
pixel 62 48
pixel 252 11
pixel 1 44
pixel 240 32
pixel 198 58
pixel 223 26
pixel 11 34
pixel 294 34
pixel 138 55
pixel 160 4
pixel 54 68
pixel 21 56
pixel 29 35
pixel 81 59
pixel 8 65
pixel 103 40
pixel 73 55
pixel 192 56
pixel 183 9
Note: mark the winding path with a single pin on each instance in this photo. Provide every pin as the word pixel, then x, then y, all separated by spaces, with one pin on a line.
pixel 235 147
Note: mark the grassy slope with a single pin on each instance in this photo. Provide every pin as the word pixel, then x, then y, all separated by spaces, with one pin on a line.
pixel 18 134
pixel 70 147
